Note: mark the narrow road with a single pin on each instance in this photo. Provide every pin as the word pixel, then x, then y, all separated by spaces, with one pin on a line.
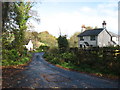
pixel 41 74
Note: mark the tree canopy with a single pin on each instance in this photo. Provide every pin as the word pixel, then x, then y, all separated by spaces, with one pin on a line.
pixel 14 17
pixel 42 37
pixel 73 41
pixel 62 43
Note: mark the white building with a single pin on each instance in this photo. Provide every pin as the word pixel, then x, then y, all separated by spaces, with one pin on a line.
pixel 29 46
pixel 97 37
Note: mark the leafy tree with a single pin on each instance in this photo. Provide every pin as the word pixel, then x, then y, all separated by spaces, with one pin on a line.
pixel 7 8
pixel 15 16
pixel 33 35
pixel 88 27
pixel 41 38
pixel 47 39
pixel 22 15
pixel 73 41
pixel 62 43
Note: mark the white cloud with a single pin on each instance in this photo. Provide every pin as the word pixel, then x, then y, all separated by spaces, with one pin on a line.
pixel 70 23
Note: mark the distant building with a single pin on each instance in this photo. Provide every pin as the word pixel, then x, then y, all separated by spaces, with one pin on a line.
pixel 29 46
pixel 97 37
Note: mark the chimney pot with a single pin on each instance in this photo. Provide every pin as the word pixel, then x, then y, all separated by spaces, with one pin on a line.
pixel 104 24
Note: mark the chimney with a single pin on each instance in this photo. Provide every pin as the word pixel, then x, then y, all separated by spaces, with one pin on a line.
pixel 104 24
pixel 83 28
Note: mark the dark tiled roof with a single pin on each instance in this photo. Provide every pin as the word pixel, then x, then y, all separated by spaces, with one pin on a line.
pixel 91 32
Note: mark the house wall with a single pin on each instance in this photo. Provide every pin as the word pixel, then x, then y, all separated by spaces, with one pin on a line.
pixel 118 40
pixel 87 39
pixel 29 46
pixel 104 39
pixel 115 39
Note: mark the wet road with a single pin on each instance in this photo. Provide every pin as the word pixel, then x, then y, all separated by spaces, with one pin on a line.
pixel 40 74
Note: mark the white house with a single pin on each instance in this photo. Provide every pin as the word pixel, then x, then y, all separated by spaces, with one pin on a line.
pixel 29 46
pixel 97 37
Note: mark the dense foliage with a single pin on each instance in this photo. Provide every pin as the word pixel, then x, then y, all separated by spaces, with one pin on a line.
pixel 42 38
pixel 73 41
pixel 48 39
pixel 15 16
pixel 62 44
pixel 101 61
pixel 42 48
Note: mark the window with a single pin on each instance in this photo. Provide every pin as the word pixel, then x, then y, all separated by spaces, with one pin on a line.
pixel 92 38
pixel 81 38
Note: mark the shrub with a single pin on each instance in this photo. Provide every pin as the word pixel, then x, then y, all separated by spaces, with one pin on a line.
pixel 55 60
pixel 68 57
pixel 63 44
pixel 5 62
pixel 86 60
pixel 25 59
pixel 48 56
pixel 53 50
pixel 42 48
pixel 10 54
pixel 12 57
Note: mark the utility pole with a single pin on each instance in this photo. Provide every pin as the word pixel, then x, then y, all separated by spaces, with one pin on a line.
pixel 60 31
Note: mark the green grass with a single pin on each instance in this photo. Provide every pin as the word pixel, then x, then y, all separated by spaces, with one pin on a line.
pixel 82 68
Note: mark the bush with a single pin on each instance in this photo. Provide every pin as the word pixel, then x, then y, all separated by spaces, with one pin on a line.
pixel 17 62
pixel 92 61
pixel 10 54
pixel 42 49
pixel 69 57
pixel 5 62
pixel 53 50
pixel 25 59
pixel 12 57
pixel 55 60
pixel 48 56
pixel 63 44
pixel 52 58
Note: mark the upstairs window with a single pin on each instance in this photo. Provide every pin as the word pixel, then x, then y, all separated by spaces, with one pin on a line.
pixel 81 38
pixel 92 38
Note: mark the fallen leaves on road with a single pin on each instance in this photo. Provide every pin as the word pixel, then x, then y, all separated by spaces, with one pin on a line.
pixel 8 72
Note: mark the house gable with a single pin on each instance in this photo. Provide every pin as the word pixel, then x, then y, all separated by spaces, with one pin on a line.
pixel 29 46
pixel 104 39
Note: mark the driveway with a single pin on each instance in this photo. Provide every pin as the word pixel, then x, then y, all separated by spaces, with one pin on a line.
pixel 41 74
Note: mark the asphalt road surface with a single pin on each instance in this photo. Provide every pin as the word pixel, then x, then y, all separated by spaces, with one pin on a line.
pixel 41 74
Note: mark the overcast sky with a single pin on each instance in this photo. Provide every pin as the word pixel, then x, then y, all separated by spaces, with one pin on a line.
pixel 69 16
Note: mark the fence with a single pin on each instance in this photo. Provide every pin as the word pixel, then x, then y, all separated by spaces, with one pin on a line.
pixel 102 52
pixel 105 59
